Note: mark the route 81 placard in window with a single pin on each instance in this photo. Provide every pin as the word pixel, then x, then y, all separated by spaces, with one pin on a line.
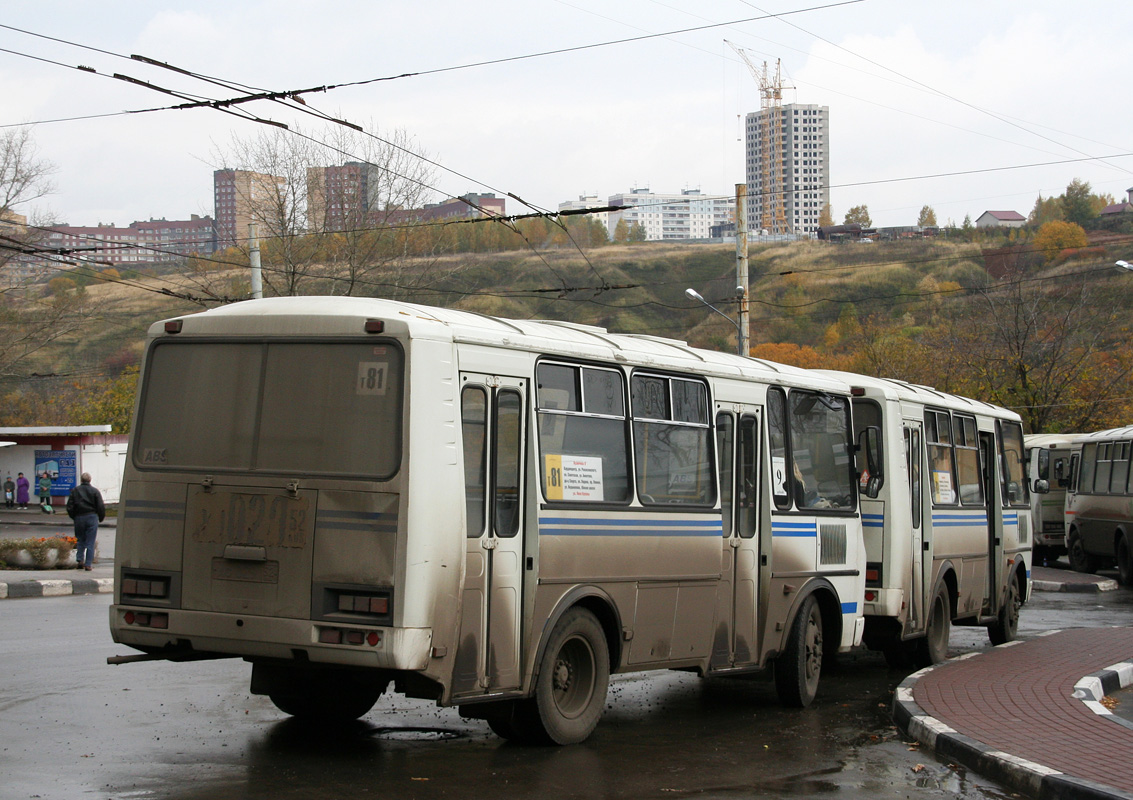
pixel 573 478
pixel 371 377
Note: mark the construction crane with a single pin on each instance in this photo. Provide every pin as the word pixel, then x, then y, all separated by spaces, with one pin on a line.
pixel 772 193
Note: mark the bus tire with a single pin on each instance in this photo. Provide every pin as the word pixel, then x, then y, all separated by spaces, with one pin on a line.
pixel 1124 561
pixel 570 690
pixel 933 648
pixel 1006 625
pixel 1080 560
pixel 799 667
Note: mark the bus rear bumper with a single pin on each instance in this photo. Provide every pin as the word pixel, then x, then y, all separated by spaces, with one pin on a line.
pixel 250 636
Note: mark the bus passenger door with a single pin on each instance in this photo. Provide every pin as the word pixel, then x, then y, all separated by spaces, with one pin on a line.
pixel 915 460
pixel 737 632
pixel 488 654
pixel 994 507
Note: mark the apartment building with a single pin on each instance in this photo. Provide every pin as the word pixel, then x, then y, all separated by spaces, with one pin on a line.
pixel 241 197
pixel 588 201
pixel 154 241
pixel 687 215
pixel 788 168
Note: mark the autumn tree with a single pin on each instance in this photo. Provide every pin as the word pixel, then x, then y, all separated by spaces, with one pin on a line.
pixel 621 230
pixel 637 232
pixel 1076 203
pixel 826 216
pixel 1044 211
pixel 860 215
pixel 927 217
pixel 1044 349
pixel 1056 236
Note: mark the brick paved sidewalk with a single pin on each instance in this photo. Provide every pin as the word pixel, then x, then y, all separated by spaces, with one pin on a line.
pixel 1016 702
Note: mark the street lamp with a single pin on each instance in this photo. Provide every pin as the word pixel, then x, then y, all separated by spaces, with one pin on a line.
pixel 740 343
pixel 1124 265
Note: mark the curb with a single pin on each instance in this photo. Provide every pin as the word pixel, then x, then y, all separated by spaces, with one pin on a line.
pixel 1093 687
pixel 1090 587
pixel 56 588
pixel 1018 773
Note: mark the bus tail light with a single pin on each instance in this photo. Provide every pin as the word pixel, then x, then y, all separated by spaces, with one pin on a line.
pixel 144 619
pixel 350 636
pixel 361 605
pixel 873 574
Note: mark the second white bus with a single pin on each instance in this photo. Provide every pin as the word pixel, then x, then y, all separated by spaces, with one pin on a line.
pixel 948 538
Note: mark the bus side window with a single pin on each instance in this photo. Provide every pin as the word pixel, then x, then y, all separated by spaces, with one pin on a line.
pixel 781 477
pixel 474 429
pixel 1060 474
pixel 725 457
pixel 938 431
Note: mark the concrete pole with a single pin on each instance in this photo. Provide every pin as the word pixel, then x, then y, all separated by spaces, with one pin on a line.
pixel 742 337
pixel 254 259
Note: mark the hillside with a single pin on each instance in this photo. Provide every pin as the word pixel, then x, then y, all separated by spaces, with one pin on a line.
pixel 836 305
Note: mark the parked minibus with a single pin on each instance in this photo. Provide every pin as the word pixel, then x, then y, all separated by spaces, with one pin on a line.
pixel 354 494
pixel 948 538
pixel 1048 475
pixel 1099 503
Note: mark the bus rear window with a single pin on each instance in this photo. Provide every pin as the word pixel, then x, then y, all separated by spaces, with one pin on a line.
pixel 331 408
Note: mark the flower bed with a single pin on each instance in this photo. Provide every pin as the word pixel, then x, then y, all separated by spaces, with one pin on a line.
pixel 44 552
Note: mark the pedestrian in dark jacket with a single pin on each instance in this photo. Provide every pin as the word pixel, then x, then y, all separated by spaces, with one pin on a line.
pixel 85 507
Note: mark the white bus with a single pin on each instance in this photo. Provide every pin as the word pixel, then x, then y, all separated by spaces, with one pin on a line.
pixel 1048 474
pixel 948 538
pixel 1099 503
pixel 488 513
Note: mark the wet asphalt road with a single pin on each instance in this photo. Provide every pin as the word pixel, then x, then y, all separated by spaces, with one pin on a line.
pixel 71 726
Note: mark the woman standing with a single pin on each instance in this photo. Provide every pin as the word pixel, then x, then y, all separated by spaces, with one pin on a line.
pixel 22 490
pixel 44 492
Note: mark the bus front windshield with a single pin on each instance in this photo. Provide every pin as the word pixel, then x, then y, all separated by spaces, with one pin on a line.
pixel 290 407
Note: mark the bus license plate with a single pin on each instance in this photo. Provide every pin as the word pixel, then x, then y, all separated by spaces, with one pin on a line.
pixel 252 519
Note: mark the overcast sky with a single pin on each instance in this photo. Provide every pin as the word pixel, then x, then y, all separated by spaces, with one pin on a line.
pixel 915 90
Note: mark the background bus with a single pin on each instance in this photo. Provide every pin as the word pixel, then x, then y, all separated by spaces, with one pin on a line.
pixel 948 538
pixel 1099 503
pixel 1048 475
pixel 488 513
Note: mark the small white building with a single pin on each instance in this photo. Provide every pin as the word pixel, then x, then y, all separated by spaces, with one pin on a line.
pixel 65 452
pixel 688 215
pixel 1001 219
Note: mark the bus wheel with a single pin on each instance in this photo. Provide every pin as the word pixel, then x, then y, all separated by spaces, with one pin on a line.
pixel 1080 560
pixel 799 666
pixel 933 648
pixel 1124 561
pixel 1006 624
pixel 570 692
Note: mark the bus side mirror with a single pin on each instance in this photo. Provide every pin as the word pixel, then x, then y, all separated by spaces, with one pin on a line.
pixel 1041 486
pixel 872 478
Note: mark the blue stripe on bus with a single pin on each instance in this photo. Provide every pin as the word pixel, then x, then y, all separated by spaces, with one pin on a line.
pixel 958 520
pixel 873 520
pixel 849 608
pixel 794 529
pixel 604 526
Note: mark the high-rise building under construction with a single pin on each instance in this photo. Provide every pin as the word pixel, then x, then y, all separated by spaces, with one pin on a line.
pixel 788 168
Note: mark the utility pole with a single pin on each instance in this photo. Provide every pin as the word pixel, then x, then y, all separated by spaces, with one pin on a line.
pixel 254 260
pixel 741 268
